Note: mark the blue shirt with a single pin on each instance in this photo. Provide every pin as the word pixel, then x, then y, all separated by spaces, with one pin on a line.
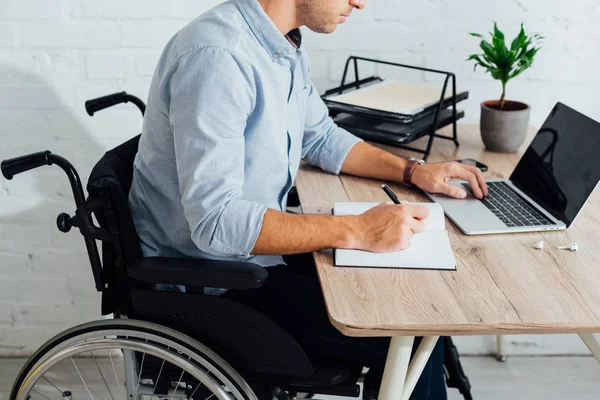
pixel 231 112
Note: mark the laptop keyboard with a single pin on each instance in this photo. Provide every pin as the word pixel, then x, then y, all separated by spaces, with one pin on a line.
pixel 511 208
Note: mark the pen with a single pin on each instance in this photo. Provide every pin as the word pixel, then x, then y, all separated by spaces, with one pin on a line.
pixel 391 194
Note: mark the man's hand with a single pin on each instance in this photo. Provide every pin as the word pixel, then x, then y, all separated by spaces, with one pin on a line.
pixel 387 228
pixel 434 178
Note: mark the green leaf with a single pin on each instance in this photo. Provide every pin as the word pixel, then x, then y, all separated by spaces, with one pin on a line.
pixel 497 32
pixel 502 62
pixel 519 40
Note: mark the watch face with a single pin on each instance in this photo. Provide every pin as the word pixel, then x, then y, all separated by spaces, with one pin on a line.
pixel 417 160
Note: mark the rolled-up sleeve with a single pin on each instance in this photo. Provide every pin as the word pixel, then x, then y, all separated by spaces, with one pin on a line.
pixel 211 95
pixel 325 145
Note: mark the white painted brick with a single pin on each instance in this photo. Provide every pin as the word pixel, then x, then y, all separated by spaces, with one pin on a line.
pixel 408 10
pixel 145 64
pixel 15 264
pixel 21 121
pixel 393 72
pixel 338 63
pixel 25 237
pixel 30 9
pixel 18 67
pixel 136 9
pixel 23 341
pixel 8 35
pixel 61 263
pixel 154 34
pixel 489 10
pixel 81 35
pixel 31 209
pixel 48 313
pixel 22 289
pixel 106 66
pixel 39 184
pixel 6 316
pixel 575 11
pixel 319 64
pixel 29 97
pixel 190 9
pixel 451 63
pixel 382 36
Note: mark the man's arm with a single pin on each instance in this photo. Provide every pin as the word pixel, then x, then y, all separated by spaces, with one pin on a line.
pixel 385 228
pixel 371 162
pixel 335 150
pixel 211 95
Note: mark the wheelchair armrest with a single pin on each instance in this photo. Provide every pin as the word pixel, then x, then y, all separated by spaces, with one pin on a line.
pixel 198 272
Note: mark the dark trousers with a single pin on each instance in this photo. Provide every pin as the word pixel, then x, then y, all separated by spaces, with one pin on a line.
pixel 292 298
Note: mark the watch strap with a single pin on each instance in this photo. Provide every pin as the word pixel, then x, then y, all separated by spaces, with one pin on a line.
pixel 408 171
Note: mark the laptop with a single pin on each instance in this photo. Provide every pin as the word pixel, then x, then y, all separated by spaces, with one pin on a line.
pixel 547 190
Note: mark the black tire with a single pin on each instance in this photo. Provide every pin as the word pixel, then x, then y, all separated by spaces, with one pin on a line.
pixel 192 345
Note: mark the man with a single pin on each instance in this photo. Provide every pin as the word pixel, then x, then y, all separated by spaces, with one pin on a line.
pixel 231 113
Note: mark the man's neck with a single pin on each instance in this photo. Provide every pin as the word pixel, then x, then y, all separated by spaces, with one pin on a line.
pixel 283 13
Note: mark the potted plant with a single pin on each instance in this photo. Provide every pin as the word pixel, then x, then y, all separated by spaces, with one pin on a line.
pixel 504 123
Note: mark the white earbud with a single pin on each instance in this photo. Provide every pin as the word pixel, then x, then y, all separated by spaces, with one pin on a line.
pixel 573 247
pixel 539 245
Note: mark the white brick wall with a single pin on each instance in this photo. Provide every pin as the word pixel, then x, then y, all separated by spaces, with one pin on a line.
pixel 55 54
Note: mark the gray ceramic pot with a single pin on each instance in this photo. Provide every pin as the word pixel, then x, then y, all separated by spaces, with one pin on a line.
pixel 504 131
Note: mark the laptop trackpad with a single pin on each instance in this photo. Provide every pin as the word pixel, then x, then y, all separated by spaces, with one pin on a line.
pixel 469 214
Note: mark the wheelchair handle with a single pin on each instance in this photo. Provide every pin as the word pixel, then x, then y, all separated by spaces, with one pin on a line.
pixel 94 105
pixel 17 165
pixel 82 219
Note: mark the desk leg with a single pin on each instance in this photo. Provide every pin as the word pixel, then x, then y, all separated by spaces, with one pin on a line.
pixel 592 343
pixel 500 356
pixel 415 369
pixel 400 378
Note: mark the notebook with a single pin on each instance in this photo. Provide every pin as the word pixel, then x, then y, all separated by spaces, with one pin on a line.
pixel 430 249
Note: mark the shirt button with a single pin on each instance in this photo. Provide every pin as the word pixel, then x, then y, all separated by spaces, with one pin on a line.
pixel 276 55
pixel 292 51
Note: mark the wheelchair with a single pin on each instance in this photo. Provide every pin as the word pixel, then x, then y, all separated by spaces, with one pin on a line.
pixel 165 344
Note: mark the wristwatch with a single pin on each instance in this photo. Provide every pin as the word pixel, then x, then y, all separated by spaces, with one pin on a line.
pixel 410 168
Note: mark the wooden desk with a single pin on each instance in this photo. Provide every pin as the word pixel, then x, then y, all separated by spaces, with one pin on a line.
pixel 502 284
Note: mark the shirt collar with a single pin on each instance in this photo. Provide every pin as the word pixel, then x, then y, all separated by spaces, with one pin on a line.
pixel 266 32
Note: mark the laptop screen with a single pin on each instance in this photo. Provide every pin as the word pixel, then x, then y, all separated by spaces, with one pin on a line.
pixel 561 167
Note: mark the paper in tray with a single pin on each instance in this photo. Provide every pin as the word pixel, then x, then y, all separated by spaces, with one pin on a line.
pixel 392 99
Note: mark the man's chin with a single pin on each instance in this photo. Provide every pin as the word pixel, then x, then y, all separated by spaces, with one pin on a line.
pixel 330 28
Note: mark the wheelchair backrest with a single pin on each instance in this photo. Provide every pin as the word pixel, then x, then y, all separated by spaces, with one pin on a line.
pixel 110 180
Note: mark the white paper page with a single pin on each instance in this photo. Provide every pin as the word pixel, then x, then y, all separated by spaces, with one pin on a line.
pixel 393 96
pixel 435 222
pixel 428 250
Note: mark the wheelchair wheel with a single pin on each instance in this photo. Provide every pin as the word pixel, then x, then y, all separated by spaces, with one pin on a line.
pixel 127 360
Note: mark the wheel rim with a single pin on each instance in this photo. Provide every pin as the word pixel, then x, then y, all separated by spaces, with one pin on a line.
pixel 114 344
pixel 198 364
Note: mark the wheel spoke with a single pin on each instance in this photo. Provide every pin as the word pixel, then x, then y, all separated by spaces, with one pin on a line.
pixel 81 358
pixel 157 378
pixel 53 385
pixel 137 389
pixel 75 376
pixel 41 395
pixel 81 377
pixel 177 386
pixel 195 390
pixel 102 375
pixel 116 376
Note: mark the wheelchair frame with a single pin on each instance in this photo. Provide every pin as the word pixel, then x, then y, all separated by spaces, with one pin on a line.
pixel 118 300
